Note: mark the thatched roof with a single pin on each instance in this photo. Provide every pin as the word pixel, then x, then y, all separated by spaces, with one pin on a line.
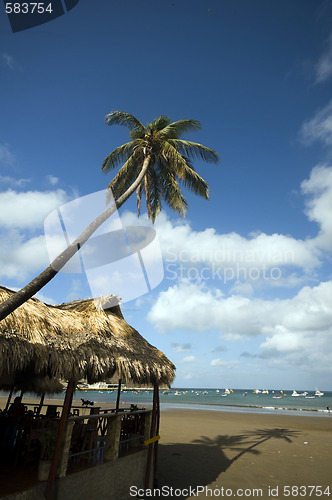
pixel 75 339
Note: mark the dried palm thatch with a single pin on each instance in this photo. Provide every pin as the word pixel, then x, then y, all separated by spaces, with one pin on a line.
pixel 75 339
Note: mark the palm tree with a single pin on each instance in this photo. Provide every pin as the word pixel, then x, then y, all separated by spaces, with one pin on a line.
pixel 162 158
pixel 156 160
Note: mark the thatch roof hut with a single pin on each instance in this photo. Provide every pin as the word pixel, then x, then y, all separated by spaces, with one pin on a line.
pixel 75 340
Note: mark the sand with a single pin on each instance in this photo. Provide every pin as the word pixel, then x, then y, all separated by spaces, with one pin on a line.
pixel 252 453
pixel 239 454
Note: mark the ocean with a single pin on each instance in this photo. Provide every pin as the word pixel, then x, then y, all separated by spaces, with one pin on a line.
pixel 245 400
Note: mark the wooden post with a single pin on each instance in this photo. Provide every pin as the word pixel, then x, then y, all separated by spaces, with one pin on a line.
pixel 59 439
pixel 113 437
pixel 8 400
pixel 41 402
pixel 152 434
pixel 64 455
pixel 118 397
pixel 155 461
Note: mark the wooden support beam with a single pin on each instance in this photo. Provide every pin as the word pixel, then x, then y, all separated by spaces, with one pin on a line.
pixel 152 434
pixel 59 439
pixel 118 397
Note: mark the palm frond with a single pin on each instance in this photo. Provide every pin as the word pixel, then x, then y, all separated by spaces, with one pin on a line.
pixel 122 118
pixel 154 194
pixel 126 175
pixel 175 129
pixel 171 192
pixel 194 150
pixel 194 182
pixel 184 170
pixel 159 123
pixel 119 155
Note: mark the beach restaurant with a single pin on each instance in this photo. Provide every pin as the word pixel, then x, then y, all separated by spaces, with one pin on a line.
pixel 89 451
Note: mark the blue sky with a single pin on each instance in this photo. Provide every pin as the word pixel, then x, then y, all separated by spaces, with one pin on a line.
pixel 246 297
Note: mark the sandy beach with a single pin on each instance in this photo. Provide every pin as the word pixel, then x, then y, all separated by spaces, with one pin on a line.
pixel 245 452
pixel 214 453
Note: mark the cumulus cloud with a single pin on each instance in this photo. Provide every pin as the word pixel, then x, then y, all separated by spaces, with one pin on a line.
pixel 256 260
pixel 19 257
pixel 228 365
pixel 22 244
pixel 189 359
pixel 28 209
pixel 197 308
pixel 323 68
pixel 318 128
pixel 299 327
pixel 318 190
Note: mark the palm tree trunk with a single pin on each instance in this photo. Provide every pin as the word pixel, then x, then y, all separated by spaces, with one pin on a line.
pixel 52 270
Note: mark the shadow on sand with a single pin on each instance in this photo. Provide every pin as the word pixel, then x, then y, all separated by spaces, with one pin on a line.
pixel 207 458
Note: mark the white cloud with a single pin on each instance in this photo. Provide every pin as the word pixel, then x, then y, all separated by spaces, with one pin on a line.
pixel 228 365
pixel 28 209
pixel 6 156
pixel 318 128
pixel 247 262
pixel 318 189
pixel 324 66
pixel 189 359
pixel 196 308
pixel 301 325
pixel 22 245
pixel 181 347
pixel 6 179
pixel 18 257
pixel 52 180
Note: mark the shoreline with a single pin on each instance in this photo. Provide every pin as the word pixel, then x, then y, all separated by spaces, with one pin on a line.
pixel 208 407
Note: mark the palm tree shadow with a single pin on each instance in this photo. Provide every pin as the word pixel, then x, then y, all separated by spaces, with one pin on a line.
pixel 202 461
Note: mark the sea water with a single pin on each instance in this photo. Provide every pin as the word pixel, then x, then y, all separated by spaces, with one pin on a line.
pixel 239 400
pixel 245 400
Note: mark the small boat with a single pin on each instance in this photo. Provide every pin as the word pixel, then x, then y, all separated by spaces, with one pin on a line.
pixel 265 391
pixel 277 397
pixel 257 391
pixel 294 393
pixel 318 393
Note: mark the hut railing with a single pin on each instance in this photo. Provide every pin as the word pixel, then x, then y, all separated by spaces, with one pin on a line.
pixel 94 439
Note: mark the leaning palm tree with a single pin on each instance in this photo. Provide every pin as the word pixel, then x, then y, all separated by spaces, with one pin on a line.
pixel 156 161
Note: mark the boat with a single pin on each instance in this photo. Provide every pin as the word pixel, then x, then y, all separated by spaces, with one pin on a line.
pixel 265 391
pixel 294 393
pixel 319 393
pixel 256 391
